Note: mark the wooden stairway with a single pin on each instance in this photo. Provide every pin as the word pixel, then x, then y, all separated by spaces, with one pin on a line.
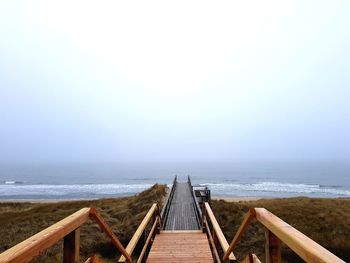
pixel 180 246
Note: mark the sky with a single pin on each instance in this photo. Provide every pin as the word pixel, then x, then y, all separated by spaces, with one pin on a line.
pixel 112 81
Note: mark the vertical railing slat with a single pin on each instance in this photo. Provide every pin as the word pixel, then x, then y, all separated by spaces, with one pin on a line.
pixel 71 247
pixel 272 248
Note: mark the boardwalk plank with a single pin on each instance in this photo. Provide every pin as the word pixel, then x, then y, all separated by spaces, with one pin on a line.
pixel 182 215
pixel 184 246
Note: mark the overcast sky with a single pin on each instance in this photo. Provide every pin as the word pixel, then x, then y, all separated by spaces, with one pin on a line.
pixel 186 81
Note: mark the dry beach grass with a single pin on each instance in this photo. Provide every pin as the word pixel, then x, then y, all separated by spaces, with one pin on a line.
pixel 327 221
pixel 21 220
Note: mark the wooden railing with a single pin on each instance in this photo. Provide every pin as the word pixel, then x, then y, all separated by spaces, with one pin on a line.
pixel 215 234
pixel 67 229
pixel 278 231
pixel 166 207
pixel 196 205
pixel 153 216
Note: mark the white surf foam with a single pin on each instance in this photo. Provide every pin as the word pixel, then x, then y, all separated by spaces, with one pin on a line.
pixel 46 190
pixel 276 187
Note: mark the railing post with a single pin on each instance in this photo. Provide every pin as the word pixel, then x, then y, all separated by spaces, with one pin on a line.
pixel 215 238
pixel 203 218
pixel 71 247
pixel 141 244
pixel 272 248
pixel 156 218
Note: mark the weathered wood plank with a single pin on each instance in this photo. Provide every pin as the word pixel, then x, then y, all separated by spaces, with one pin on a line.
pixel 182 214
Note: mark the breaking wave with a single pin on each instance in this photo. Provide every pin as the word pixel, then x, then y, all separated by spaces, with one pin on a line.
pixel 12 190
pixel 20 190
pixel 277 188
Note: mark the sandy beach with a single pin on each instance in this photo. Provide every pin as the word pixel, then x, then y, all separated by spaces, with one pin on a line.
pixel 238 198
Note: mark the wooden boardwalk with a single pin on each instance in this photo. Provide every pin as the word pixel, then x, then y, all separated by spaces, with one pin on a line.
pixel 182 214
pixel 180 246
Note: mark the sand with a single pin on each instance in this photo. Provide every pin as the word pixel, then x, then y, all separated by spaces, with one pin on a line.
pixel 238 198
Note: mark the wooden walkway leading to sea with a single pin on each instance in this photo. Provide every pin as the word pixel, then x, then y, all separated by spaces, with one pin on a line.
pixel 182 214
pixel 181 239
pixel 185 231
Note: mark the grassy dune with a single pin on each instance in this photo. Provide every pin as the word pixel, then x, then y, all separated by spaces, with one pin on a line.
pixel 19 221
pixel 327 221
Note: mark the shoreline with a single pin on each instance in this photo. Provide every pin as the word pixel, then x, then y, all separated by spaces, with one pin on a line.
pixel 232 198
pixel 39 201
pixel 240 198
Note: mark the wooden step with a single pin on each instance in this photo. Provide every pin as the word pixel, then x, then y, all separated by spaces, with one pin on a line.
pixel 180 246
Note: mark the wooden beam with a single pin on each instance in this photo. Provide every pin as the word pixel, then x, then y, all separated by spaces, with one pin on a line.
pixel 272 248
pixel 243 227
pixel 71 247
pixel 136 237
pixel 212 243
pixel 33 246
pixel 104 226
pixel 219 235
pixel 304 246
pixel 148 240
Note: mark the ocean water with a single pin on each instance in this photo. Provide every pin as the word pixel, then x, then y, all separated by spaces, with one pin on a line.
pixel 258 179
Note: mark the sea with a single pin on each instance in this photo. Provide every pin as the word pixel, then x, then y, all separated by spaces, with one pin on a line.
pixel 224 179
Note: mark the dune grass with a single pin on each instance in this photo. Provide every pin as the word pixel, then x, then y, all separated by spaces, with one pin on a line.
pixel 21 220
pixel 326 221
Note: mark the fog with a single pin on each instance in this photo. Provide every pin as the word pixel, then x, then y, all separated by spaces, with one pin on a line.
pixel 105 81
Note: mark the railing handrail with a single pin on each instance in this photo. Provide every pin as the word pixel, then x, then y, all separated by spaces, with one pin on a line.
pixel 38 243
pixel 207 212
pixel 154 213
pixel 196 206
pixel 305 247
pixel 165 209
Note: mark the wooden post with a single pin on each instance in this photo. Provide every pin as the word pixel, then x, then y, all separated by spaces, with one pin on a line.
pixel 155 218
pixel 159 226
pixel 71 247
pixel 272 248
pixel 141 244
pixel 215 239
pixel 204 218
